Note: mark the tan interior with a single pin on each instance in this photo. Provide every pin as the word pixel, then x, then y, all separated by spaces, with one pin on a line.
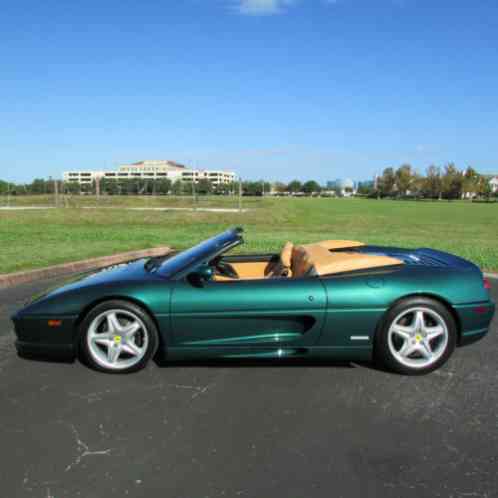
pixel 317 260
pixel 283 267
pixel 311 259
pixel 339 244
pixel 251 269
pixel 286 255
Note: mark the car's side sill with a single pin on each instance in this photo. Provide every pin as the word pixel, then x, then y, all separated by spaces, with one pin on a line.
pixel 349 353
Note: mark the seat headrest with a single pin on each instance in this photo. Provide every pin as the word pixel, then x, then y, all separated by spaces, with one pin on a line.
pixel 301 261
pixel 286 254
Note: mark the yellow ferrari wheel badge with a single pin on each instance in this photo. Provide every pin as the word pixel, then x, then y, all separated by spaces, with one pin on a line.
pixel 418 337
pixel 117 339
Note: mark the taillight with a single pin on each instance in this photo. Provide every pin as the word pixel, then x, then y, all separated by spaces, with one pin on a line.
pixel 487 284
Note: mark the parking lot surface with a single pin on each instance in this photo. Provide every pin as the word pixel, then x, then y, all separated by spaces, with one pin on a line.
pixel 297 430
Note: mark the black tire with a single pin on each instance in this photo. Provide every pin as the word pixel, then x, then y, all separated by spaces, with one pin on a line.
pixel 382 350
pixel 148 328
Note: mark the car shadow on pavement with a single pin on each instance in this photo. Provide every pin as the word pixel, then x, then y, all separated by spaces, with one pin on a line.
pixel 253 363
pixel 221 362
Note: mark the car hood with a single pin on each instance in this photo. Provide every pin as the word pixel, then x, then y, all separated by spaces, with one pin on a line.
pixel 124 272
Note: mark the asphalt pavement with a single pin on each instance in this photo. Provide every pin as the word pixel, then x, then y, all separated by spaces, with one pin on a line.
pixel 262 430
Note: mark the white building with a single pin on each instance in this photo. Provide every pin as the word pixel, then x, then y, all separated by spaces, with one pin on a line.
pixel 82 177
pixel 493 183
pixel 153 170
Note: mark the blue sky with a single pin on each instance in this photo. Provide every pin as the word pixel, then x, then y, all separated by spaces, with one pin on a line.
pixel 272 89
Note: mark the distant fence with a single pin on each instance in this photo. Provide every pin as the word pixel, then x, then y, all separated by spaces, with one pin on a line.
pixel 65 200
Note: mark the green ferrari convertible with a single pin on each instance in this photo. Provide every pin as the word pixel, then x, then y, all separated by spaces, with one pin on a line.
pixel 337 299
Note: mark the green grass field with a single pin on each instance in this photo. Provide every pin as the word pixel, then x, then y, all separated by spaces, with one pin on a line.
pixel 34 239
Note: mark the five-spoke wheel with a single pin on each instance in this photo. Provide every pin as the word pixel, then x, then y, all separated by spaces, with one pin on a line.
pixel 118 336
pixel 417 336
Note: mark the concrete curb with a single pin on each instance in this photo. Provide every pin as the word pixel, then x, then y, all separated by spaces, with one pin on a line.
pixel 12 279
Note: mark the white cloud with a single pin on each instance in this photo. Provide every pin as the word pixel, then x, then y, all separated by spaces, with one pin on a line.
pixel 263 7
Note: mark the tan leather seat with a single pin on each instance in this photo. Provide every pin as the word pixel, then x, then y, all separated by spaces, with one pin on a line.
pixel 283 267
pixel 258 270
pixel 286 255
pixel 301 261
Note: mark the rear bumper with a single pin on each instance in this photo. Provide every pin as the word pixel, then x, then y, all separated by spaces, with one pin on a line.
pixel 475 320
pixel 473 336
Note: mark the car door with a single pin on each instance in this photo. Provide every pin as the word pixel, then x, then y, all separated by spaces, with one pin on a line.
pixel 262 313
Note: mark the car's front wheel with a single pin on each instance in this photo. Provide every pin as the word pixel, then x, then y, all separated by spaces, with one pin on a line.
pixel 417 336
pixel 118 337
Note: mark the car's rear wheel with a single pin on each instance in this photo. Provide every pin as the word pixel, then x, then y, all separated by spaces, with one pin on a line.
pixel 417 336
pixel 118 337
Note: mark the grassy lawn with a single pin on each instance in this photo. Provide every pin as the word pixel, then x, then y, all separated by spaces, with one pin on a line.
pixel 34 239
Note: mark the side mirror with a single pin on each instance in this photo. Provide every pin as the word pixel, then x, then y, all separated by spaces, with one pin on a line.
pixel 205 273
pixel 201 275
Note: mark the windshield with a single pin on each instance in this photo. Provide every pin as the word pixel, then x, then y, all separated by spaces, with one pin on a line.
pixel 204 251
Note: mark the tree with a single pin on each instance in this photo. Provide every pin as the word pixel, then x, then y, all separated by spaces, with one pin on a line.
pixel 365 188
pixel 311 187
pixel 123 186
pixel 417 185
pixel 109 186
pixel 280 187
pixel 177 187
pixel 470 182
pixel 452 182
pixel 163 186
pixel 204 186
pixel 86 188
pixel 4 187
pixel 233 187
pixel 294 187
pixel 38 186
pixel 132 186
pixel 221 189
pixel 432 185
pixel 483 187
pixel 255 188
pixel 387 182
pixel 72 187
pixel 188 188
pixel 404 178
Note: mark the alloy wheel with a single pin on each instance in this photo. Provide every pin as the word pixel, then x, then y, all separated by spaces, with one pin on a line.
pixel 117 339
pixel 418 337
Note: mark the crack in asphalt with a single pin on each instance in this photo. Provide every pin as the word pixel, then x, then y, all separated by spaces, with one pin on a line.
pixel 83 450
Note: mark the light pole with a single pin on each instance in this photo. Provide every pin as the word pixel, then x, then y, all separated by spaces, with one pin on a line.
pixel 240 195
pixel 56 192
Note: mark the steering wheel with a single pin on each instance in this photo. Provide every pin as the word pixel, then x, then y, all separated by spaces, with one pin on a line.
pixel 225 269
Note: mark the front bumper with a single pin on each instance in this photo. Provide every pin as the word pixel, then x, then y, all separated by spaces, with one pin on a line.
pixel 36 338
pixel 58 351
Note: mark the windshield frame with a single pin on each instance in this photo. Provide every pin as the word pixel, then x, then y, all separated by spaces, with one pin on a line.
pixel 184 262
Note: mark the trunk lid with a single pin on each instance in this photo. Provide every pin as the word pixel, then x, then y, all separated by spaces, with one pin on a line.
pixel 421 257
